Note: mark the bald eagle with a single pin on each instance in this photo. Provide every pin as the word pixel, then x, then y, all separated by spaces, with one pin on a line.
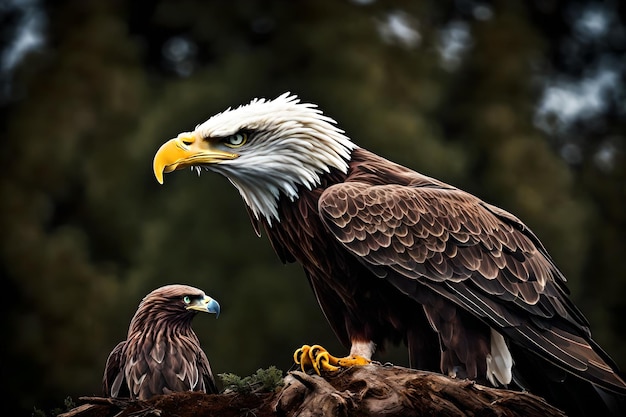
pixel 396 256
pixel 162 354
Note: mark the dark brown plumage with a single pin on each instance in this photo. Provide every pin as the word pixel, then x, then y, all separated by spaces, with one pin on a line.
pixel 394 255
pixel 162 354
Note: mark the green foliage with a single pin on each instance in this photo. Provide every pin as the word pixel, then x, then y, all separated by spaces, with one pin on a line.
pixel 68 403
pixel 263 380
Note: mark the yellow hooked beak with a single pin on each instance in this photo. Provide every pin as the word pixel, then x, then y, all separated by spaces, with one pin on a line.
pixel 184 151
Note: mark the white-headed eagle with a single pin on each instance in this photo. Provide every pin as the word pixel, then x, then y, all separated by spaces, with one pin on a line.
pixel 162 354
pixel 394 255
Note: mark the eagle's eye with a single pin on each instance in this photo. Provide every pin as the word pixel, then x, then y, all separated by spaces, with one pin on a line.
pixel 186 299
pixel 236 140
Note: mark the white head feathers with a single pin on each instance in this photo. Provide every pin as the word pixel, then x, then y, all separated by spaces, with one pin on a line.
pixel 291 144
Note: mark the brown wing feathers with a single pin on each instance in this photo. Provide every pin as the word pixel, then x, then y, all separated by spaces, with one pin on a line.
pixel 476 255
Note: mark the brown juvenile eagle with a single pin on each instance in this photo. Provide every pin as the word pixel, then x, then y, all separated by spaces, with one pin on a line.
pixel 394 255
pixel 162 354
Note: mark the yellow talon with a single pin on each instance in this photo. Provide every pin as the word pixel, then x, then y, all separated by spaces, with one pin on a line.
pixel 301 357
pixel 319 359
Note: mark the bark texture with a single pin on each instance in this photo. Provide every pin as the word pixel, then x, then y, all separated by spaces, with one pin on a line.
pixel 372 390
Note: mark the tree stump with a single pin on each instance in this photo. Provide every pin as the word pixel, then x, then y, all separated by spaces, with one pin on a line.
pixel 372 390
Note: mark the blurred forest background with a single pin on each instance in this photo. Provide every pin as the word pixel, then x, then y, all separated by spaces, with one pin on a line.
pixel 520 102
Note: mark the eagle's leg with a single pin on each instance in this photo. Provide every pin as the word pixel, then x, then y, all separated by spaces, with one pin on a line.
pixel 319 359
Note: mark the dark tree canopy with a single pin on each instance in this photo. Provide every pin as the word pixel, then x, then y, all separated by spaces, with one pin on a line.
pixel 483 95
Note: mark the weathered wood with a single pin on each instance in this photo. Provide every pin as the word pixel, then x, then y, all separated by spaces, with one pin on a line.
pixel 81 410
pixel 376 390
pixel 372 390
